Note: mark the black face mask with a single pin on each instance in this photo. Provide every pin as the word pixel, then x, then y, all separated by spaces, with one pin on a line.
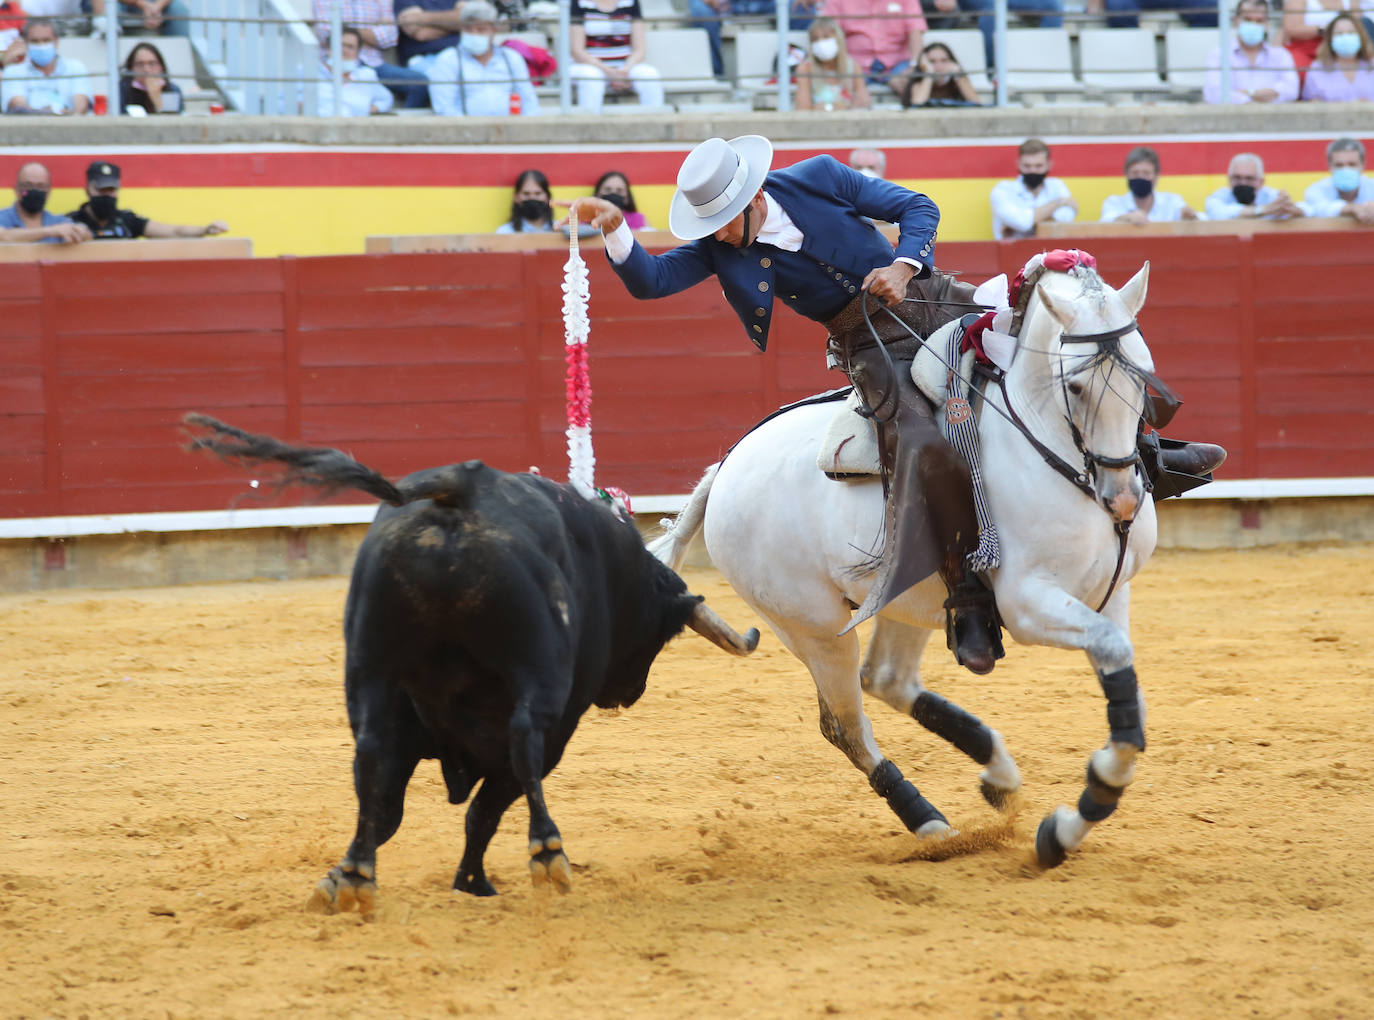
pixel 1245 194
pixel 533 209
pixel 104 206
pixel 1140 187
pixel 1032 181
pixel 616 199
pixel 32 200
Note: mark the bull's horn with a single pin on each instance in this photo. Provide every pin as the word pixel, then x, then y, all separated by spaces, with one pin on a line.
pixel 710 626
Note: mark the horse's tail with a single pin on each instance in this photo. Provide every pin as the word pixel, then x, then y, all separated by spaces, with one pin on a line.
pixel 671 546
pixel 311 466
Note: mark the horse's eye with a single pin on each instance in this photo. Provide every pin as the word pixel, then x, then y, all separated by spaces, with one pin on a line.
pixel 1076 388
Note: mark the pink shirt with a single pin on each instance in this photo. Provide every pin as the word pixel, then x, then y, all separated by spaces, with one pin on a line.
pixel 1333 86
pixel 877 29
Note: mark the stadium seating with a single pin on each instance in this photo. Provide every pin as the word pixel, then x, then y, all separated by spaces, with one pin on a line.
pixel 683 57
pixel 1040 62
pixel 967 46
pixel 1185 57
pixel 176 51
pixel 756 58
pixel 1120 61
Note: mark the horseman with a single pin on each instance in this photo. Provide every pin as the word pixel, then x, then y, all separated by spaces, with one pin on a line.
pixel 805 233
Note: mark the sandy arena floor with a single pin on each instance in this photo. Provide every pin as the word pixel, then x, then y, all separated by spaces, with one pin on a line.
pixel 176 777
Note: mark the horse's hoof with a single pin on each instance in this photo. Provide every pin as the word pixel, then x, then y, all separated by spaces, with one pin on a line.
pixel 341 891
pixel 999 798
pixel 551 868
pixel 936 828
pixel 1048 849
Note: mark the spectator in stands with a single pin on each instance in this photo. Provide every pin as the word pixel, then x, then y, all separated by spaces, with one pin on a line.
pixel 165 17
pixel 12 49
pixel 1342 71
pixel 828 78
pixel 1123 13
pixel 1142 203
pixel 939 80
pixel 607 42
pixel 883 37
pixel 28 220
pixel 45 82
pixel 869 162
pixel 427 28
pixel 375 21
pixel 707 14
pixel 1033 197
pixel 614 187
pixel 477 78
pixel 102 215
pixel 362 93
pixel 144 85
pixel 1049 12
pixel 1347 192
pixel 1260 72
pixel 1304 22
pixel 531 210
pixel 1247 197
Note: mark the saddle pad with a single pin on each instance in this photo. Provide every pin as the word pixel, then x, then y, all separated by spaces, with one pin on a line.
pixel 850 444
pixel 930 369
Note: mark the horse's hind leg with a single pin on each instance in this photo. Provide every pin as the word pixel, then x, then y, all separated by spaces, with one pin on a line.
pixel 892 672
pixel 834 666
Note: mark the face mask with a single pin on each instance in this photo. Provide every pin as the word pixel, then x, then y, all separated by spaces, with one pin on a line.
pixel 1251 33
pixel 42 54
pixel 1345 44
pixel 533 209
pixel 104 207
pixel 1140 187
pixel 826 49
pixel 868 171
pixel 1346 178
pixel 616 199
pixel 475 43
pixel 32 200
pixel 1032 181
pixel 1245 194
pixel 348 66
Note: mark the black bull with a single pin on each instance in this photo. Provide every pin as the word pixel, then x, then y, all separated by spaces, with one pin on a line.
pixel 486 613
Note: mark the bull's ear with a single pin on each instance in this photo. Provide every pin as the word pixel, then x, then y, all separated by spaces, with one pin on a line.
pixel 1133 294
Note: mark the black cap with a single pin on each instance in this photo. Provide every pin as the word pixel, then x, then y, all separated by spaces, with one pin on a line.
pixel 102 174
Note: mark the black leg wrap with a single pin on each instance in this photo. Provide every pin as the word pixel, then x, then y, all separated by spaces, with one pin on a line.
pixel 903 798
pixel 1099 798
pixel 1123 706
pixel 947 720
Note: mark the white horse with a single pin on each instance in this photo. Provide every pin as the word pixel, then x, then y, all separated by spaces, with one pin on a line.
pixel 797 546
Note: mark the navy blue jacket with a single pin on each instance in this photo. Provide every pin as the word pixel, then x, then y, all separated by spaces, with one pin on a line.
pixel 827 202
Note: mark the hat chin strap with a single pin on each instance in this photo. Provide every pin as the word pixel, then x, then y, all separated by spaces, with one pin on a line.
pixel 748 209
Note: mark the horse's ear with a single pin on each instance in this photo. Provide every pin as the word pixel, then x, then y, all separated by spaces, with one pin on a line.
pixel 1133 294
pixel 1059 314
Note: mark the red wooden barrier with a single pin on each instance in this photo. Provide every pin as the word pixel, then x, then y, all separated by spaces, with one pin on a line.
pixel 409 361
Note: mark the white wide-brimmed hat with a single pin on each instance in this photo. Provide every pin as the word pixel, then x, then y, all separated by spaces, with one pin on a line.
pixel 717 180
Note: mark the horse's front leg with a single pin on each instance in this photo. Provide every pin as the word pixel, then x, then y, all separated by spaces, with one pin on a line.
pixel 892 672
pixel 1044 614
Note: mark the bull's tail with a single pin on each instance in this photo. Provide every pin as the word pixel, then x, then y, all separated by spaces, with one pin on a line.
pixel 671 547
pixel 313 467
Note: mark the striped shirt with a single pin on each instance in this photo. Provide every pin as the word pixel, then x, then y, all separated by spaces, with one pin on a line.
pixel 608 35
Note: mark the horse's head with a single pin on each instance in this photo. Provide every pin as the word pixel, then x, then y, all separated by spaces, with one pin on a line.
pixel 1094 367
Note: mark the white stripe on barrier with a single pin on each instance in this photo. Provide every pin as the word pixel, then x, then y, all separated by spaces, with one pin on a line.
pixel 325 516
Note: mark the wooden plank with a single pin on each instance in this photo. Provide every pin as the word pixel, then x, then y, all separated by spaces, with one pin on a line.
pixel 332 424
pixel 168 278
pixel 140 250
pixel 174 353
pixel 158 430
pixel 474 313
pixel 366 274
pixel 243 387
pixel 106 313
pixel 405 385
pixel 20 282
pixel 21 433
pixel 21 472
pixel 20 319
pixel 405 345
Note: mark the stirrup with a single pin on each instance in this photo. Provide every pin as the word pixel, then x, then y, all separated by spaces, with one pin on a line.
pixel 971 603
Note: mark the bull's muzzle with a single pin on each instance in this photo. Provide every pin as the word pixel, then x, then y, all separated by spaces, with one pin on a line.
pixel 710 626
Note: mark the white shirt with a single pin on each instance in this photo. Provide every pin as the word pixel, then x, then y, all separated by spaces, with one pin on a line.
pixel 361 92
pixel 777 230
pixel 1322 198
pixel 1168 207
pixel 486 89
pixel 1014 205
pixel 1222 204
pixel 41 91
pixel 51 8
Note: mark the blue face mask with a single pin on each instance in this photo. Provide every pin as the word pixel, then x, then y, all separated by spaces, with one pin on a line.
pixel 1345 44
pixel 42 54
pixel 1346 178
pixel 1251 33
pixel 475 43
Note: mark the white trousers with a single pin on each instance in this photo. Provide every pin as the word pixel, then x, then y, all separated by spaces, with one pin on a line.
pixel 590 82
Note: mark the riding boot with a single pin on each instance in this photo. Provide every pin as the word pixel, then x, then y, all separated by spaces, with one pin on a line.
pixel 1174 466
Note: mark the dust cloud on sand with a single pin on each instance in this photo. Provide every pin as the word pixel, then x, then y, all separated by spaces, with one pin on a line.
pixel 177 776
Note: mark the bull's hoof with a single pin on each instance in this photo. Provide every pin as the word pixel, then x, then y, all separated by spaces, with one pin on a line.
pixel 473 883
pixel 998 798
pixel 1048 849
pixel 548 864
pixel 341 891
